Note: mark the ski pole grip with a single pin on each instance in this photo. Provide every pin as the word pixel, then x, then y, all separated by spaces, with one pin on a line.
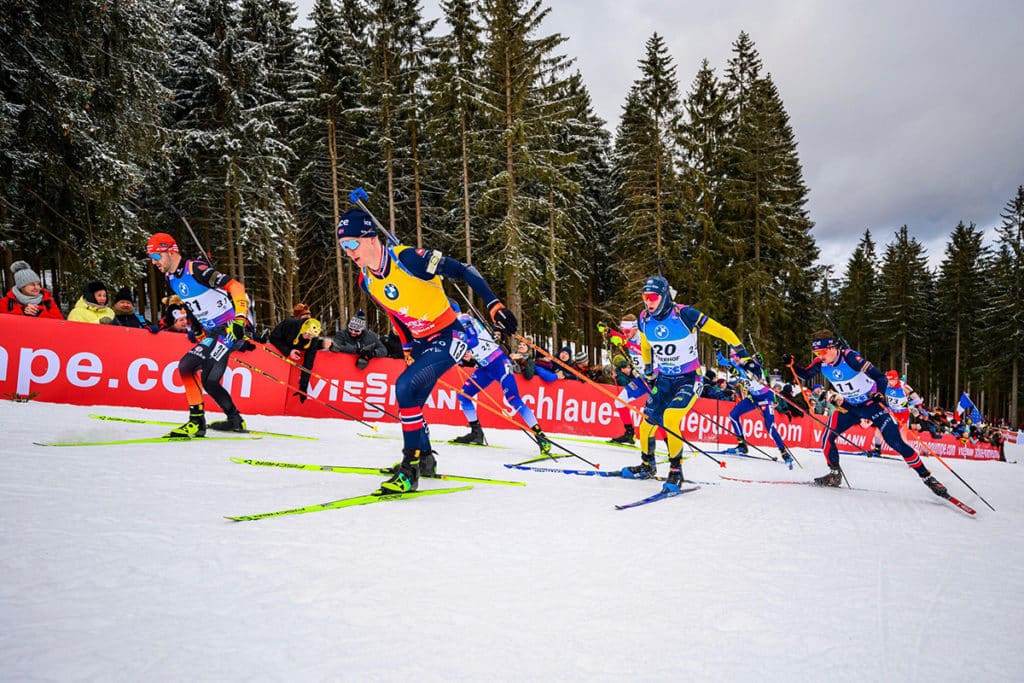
pixel 358 194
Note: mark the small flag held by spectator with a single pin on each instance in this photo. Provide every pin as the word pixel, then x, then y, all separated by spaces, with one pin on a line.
pixel 1010 436
pixel 965 405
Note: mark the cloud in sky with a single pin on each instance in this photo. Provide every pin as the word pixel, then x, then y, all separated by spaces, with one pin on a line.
pixel 905 112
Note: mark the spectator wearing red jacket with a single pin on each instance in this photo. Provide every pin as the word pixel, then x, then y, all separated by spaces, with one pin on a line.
pixel 27 296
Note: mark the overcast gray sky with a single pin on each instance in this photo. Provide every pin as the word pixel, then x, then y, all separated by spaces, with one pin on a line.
pixel 905 112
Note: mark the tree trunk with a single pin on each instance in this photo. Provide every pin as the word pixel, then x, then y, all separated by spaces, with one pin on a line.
pixel 553 263
pixel 956 361
pixel 416 189
pixel 465 185
pixel 339 258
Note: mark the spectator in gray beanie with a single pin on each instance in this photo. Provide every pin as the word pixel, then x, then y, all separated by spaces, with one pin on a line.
pixel 358 340
pixel 27 296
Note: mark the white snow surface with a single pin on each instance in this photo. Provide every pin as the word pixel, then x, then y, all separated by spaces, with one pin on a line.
pixel 117 564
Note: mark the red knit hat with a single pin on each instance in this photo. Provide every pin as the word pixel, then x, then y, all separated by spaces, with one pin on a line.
pixel 160 243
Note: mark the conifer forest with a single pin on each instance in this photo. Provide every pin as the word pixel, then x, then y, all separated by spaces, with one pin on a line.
pixel 475 135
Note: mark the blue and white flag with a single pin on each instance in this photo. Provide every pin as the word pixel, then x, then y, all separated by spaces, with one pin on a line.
pixel 965 405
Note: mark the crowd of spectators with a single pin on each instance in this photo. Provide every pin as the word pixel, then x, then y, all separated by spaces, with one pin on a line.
pixel 298 338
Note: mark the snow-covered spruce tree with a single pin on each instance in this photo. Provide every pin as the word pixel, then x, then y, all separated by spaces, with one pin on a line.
pixel 520 76
pixel 906 303
pixel 701 135
pixel 80 101
pixel 397 58
pixel 1004 314
pixel 963 290
pixel 272 111
pixel 771 275
pixel 332 149
pixel 649 202
pixel 583 278
pixel 858 299
pixel 453 127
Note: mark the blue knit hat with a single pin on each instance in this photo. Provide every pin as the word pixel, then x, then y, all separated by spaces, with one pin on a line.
pixel 356 223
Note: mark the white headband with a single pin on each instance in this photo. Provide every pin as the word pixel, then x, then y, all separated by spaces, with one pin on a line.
pixel 628 325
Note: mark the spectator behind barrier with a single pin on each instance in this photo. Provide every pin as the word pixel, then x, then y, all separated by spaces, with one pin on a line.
pixel 175 316
pixel 92 307
pixel 125 315
pixel 522 360
pixel 357 340
pixel 27 296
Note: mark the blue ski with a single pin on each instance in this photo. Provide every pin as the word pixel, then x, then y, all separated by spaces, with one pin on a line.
pixel 596 473
pixel 661 495
pixel 584 473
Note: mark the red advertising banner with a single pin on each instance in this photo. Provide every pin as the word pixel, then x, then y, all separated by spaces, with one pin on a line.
pixel 86 364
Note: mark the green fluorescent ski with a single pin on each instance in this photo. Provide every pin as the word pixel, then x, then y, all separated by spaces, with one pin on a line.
pixel 350 502
pixel 155 439
pixel 349 469
pixel 542 458
pixel 134 420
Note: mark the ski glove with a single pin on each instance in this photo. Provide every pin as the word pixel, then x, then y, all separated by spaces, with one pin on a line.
pixel 787 359
pixel 504 319
pixel 236 329
pixel 878 397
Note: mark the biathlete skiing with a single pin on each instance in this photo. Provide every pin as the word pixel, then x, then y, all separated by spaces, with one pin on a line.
pixel 407 284
pixel 494 366
pixel 671 367
pixel 859 386
pixel 760 396
pixel 216 306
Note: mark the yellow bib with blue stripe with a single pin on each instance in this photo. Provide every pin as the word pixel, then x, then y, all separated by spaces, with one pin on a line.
pixel 421 305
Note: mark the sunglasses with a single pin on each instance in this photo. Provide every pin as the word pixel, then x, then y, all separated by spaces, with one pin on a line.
pixel 349 245
pixel 156 257
pixel 650 297
pixel 821 352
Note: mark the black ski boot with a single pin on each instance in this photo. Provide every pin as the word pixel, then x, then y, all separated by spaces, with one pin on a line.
pixel 787 457
pixel 475 436
pixel 627 437
pixel 647 469
pixel 407 474
pixel 428 464
pixel 937 488
pixel 233 423
pixel 834 478
pixel 194 428
pixel 675 476
pixel 741 447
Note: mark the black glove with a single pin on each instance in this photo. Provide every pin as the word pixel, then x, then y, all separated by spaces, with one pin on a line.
pixel 787 359
pixel 877 397
pixel 362 362
pixel 503 319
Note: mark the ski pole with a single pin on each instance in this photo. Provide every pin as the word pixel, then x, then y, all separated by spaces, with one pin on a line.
pixel 944 463
pixel 616 399
pixel 366 403
pixel 498 411
pixel 357 196
pixel 181 216
pixel 300 391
